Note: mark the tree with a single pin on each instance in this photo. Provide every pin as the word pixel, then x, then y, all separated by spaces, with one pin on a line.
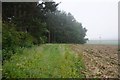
pixel 64 28
pixel 25 24
pixel 44 22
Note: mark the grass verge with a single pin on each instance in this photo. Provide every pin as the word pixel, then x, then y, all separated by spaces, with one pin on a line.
pixel 45 61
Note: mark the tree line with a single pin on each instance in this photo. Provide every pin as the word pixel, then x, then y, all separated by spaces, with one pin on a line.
pixel 32 23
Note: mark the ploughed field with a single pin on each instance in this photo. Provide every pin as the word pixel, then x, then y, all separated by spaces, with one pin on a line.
pixel 101 61
pixel 63 61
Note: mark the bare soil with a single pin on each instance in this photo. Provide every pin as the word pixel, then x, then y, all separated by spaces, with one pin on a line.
pixel 101 61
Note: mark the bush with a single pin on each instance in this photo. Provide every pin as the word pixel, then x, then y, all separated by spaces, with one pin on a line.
pixel 12 39
pixel 25 39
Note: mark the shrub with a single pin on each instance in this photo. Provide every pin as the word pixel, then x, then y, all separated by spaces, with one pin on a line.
pixel 12 39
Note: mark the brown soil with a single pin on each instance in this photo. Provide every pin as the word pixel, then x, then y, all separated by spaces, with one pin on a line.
pixel 101 61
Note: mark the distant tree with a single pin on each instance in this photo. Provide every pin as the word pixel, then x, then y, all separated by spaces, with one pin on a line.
pixel 64 28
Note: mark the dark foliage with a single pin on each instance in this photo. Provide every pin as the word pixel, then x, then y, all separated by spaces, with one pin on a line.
pixel 25 24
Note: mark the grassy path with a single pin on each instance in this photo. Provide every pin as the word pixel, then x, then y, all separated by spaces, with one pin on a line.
pixel 45 61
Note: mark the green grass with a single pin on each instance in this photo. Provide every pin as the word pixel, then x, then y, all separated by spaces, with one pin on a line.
pixel 45 61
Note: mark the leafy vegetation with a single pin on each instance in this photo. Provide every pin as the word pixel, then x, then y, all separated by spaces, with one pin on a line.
pixel 0 34
pixel 13 39
pixel 46 61
pixel 44 22
pixel 63 28
pixel 26 27
pixel 27 24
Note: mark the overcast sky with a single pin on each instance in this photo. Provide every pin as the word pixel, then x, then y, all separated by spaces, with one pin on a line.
pixel 100 17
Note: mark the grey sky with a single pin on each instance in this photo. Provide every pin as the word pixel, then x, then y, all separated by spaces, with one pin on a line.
pixel 100 17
